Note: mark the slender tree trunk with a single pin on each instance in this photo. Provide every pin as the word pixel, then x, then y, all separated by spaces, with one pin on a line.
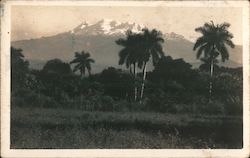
pixel 89 73
pixel 130 69
pixel 144 78
pixel 81 74
pixel 135 97
pixel 211 79
pixel 82 71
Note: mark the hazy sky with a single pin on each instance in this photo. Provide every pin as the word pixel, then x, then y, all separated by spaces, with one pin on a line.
pixel 36 21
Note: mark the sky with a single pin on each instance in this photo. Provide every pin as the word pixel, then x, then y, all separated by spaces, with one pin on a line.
pixel 36 21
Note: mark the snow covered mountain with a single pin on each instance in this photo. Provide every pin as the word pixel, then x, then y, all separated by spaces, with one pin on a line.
pixel 173 36
pixel 107 27
pixel 99 40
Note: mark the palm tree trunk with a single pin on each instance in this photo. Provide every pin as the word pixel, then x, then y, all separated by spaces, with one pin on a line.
pixel 211 77
pixel 130 69
pixel 81 74
pixel 144 78
pixel 135 97
pixel 89 73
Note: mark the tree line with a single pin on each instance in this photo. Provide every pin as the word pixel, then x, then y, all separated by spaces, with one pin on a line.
pixel 138 49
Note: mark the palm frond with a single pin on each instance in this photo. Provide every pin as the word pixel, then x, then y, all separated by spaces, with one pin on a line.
pixel 123 54
pixel 230 43
pixel 200 50
pixel 88 66
pixel 199 42
pixel 224 53
pixel 76 60
pixel 77 54
pixel 76 67
pixel 224 25
pixel 121 42
pixel 208 50
pixel 86 55
pixel 90 60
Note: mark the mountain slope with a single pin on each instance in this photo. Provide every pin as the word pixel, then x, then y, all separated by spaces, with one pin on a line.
pixel 99 39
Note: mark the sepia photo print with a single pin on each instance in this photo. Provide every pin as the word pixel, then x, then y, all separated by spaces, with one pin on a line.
pixel 125 75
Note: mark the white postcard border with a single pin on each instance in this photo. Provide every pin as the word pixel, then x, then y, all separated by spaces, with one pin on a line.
pixel 5 87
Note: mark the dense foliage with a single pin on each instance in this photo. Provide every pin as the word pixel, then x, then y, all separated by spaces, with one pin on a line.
pixel 173 86
pixel 171 106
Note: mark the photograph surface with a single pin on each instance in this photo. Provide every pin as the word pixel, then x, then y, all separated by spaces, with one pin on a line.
pixel 126 76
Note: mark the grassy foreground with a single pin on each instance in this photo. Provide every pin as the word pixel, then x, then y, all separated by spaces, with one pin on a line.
pixel 68 128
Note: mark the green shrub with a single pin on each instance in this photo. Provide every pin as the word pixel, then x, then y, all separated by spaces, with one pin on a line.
pixel 160 102
pixel 213 107
pixel 234 109
pixel 123 106
pixel 30 98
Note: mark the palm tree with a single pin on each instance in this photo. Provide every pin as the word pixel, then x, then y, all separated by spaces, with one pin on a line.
pixel 152 48
pixel 206 62
pixel 83 62
pixel 138 49
pixel 213 43
pixel 129 55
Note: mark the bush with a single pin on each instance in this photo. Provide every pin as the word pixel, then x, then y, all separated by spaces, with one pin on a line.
pixel 234 109
pixel 31 99
pixel 123 106
pixel 213 107
pixel 94 103
pixel 106 103
pixel 160 102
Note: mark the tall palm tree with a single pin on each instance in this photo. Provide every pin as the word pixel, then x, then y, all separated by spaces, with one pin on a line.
pixel 138 49
pixel 213 43
pixel 129 55
pixel 83 62
pixel 152 48
pixel 206 63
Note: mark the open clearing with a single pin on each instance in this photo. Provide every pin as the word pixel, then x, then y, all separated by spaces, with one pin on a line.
pixel 67 128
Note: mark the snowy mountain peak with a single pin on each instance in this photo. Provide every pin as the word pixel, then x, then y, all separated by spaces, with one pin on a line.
pixel 173 36
pixel 80 27
pixel 106 27
pixel 108 24
pixel 84 24
pixel 112 27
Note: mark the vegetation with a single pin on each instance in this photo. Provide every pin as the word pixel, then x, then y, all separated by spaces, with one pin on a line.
pixel 73 129
pixel 19 69
pixel 112 109
pixel 212 44
pixel 138 49
pixel 83 61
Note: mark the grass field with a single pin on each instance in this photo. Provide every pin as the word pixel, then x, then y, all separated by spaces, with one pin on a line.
pixel 64 128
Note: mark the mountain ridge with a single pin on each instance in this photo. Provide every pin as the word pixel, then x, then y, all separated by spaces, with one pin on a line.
pixel 107 27
pixel 99 39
